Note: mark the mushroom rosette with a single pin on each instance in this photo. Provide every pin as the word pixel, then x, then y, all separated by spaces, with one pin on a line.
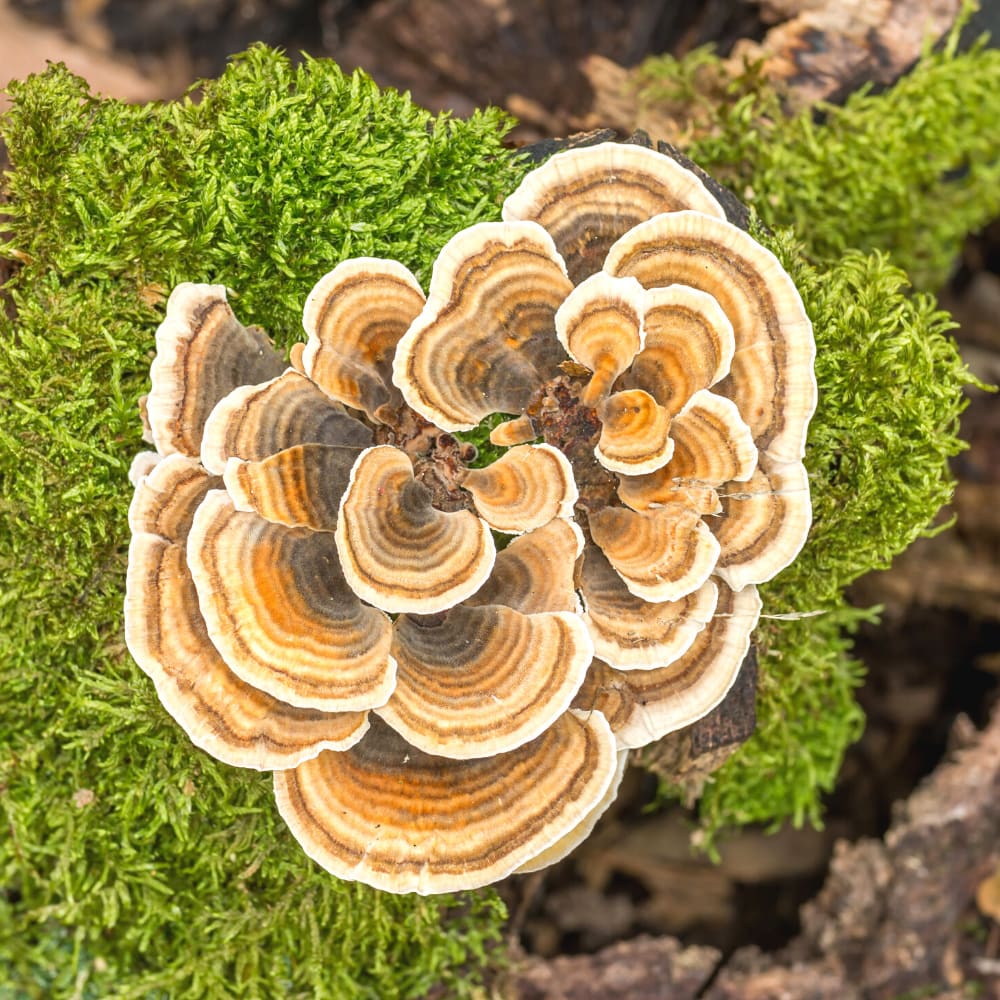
pixel 315 581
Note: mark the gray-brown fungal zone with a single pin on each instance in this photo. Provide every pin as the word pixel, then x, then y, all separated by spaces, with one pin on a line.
pixel 241 356
pixel 738 273
pixel 383 759
pixel 441 648
pixel 584 236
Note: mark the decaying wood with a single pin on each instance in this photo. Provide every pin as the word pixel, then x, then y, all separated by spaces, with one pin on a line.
pixel 641 969
pixel 891 920
pixel 690 756
pixel 829 48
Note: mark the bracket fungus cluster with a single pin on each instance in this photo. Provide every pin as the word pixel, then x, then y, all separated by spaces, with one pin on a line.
pixel 445 666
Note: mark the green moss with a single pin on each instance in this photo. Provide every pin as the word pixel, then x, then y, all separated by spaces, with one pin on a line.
pixel 136 866
pixel 910 171
pixel 178 878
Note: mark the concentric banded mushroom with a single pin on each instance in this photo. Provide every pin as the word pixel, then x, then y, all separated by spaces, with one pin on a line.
pixel 406 821
pixel 397 551
pixel 354 317
pixel 314 586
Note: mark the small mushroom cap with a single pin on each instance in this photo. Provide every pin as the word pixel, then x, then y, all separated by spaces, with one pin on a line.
pixel 400 553
pixel 301 486
pixel 600 326
pixel 588 198
pixel 535 571
pixel 662 554
pixel 565 845
pixel 281 615
pixel 645 705
pixel 630 633
pixel 389 815
pixel 511 433
pixel 711 446
pixel 256 421
pixel 202 353
pixel 524 488
pixel 689 345
pixel 484 680
pixel 764 523
pixel 771 377
pixel 354 317
pixel 635 433
pixel 483 342
pixel 165 632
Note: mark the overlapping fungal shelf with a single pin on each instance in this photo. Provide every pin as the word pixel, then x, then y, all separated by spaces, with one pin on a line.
pixel 444 666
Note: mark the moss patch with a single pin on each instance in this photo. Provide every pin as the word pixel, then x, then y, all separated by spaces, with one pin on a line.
pixel 910 171
pixel 136 866
pixel 163 872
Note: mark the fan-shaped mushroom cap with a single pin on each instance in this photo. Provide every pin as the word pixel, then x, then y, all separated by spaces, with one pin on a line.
pixel 524 488
pixel 483 342
pixel 600 325
pixel 280 613
pixel 355 316
pixel 568 843
pixel 400 553
pixel 711 445
pixel 511 433
pixel 630 633
pixel 301 486
pixel 484 680
pixel 635 433
pixel 202 353
pixel 535 571
pixel 662 554
pixel 256 421
pixel 764 523
pixel 689 345
pixel 645 705
pixel 398 819
pixel 165 632
pixel 588 198
pixel 771 378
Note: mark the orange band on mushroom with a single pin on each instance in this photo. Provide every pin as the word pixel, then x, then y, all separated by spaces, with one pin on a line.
pixel 257 421
pixel 588 198
pixel 301 486
pixel 165 632
pixel 396 550
pixel 202 353
pixel 483 342
pixel 630 633
pixel 635 433
pixel 646 705
pixel 355 316
pixel 484 680
pixel 662 554
pixel 523 489
pixel 600 325
pixel 771 377
pixel 405 821
pixel 535 571
pixel 688 346
pixel 280 613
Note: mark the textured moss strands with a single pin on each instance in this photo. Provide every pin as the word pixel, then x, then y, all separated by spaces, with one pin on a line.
pixel 134 865
pixel 156 870
pixel 910 171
